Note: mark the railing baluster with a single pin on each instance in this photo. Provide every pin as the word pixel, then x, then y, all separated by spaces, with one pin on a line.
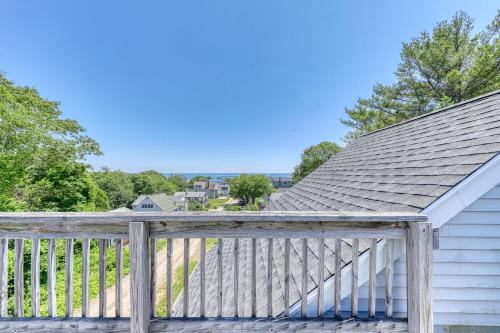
pixel 85 276
pixel 102 277
pixel 118 277
pixel 372 283
pixel 18 278
pixel 254 277
pixel 152 276
pixel 269 277
pixel 185 308
pixel 35 277
pixel 219 277
pixel 305 273
pixel 69 278
pixel 338 277
pixel 170 249
pixel 354 278
pixel 287 278
pixel 389 272
pixel 51 278
pixel 321 277
pixel 4 267
pixel 236 276
pixel 203 249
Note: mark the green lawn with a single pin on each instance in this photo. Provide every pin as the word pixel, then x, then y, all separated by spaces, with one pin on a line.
pixel 216 203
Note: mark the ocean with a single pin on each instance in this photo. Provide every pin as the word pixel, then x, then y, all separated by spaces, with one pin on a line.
pixel 224 175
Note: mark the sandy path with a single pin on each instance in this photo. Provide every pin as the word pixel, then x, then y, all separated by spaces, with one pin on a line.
pixel 161 279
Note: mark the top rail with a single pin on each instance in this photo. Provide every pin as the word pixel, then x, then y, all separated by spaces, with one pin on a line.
pixel 209 224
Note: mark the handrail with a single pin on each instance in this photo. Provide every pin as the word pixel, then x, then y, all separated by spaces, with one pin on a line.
pixel 209 224
pixel 141 229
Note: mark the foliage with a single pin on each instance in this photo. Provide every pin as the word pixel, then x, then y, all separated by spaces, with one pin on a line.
pixel 250 187
pixel 313 157
pixel 42 154
pixel 448 66
pixel 123 188
pixel 196 206
pixel 151 182
pixel 117 185
pixel 232 208
pixel 180 182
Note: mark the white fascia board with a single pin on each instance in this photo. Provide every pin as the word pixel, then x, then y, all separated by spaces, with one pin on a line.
pixel 465 193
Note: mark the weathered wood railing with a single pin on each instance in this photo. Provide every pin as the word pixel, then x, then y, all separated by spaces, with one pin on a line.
pixel 140 231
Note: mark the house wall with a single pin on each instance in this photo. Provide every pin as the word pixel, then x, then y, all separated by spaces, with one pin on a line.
pixel 466 272
pixel 147 201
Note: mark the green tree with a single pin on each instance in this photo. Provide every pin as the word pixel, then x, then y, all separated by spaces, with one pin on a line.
pixel 196 206
pixel 42 154
pixel 151 182
pixel 313 157
pixel 117 185
pixel 250 187
pixel 448 66
pixel 180 182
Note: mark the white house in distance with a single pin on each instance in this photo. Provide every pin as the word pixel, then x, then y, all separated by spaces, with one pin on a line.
pixel 445 165
pixel 157 203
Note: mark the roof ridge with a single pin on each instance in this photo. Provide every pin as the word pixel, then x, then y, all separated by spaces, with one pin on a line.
pixel 470 100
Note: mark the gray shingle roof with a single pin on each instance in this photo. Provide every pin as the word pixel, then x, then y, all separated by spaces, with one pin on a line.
pixel 165 202
pixel 404 167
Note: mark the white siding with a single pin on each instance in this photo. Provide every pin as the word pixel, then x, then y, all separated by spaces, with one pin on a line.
pixel 466 276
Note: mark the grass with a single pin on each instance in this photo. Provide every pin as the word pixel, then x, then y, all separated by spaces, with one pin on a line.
pixel 216 203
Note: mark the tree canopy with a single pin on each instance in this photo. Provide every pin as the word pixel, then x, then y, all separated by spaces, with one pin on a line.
pixel 436 70
pixel 250 187
pixel 313 157
pixel 42 156
pixel 123 188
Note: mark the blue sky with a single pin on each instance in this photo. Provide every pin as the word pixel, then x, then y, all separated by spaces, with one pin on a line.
pixel 211 86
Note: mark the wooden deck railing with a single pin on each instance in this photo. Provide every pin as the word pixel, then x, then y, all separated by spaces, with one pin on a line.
pixel 139 231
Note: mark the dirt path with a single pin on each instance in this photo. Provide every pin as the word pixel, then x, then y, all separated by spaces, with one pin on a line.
pixel 161 279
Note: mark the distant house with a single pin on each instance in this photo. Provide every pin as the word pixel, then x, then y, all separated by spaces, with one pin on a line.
pixel 224 190
pixel 157 203
pixel 201 197
pixel 216 190
pixel 281 182
pixel 200 186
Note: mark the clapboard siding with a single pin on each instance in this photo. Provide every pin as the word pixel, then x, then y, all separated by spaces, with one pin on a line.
pixel 466 272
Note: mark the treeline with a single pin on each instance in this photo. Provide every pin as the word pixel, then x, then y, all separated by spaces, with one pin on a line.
pixel 123 188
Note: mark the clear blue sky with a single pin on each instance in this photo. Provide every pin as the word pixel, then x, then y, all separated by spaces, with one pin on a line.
pixel 211 86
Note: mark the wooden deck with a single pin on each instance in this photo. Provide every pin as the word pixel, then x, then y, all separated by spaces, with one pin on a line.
pixel 141 232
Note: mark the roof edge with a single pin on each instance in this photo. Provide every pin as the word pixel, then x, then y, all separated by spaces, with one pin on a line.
pixel 464 193
pixel 470 100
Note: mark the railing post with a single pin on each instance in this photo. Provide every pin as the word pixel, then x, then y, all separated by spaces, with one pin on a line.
pixel 140 307
pixel 419 277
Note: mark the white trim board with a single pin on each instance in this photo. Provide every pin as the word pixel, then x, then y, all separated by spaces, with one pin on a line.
pixel 465 193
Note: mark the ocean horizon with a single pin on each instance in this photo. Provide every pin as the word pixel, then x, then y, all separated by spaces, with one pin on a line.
pixel 225 175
